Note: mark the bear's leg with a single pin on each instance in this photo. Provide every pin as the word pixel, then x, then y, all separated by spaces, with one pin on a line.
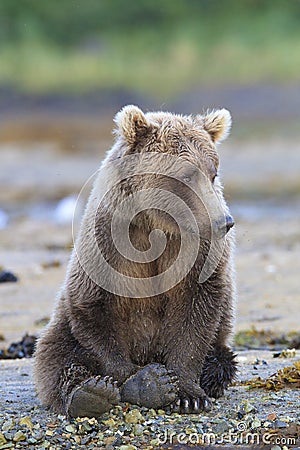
pixel 67 375
pixel 220 366
pixel 153 386
pixel 219 371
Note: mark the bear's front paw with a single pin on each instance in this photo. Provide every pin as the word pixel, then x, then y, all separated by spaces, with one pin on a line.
pixel 153 386
pixel 93 397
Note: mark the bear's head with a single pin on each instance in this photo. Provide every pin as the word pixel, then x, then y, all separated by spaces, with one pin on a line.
pixel 173 160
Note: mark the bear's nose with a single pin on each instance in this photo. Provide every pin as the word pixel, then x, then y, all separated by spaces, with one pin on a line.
pixel 229 223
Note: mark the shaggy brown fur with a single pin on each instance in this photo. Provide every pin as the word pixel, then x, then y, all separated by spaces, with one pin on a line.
pixel 171 348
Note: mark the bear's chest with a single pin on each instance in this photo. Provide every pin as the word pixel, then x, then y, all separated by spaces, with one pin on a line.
pixel 140 323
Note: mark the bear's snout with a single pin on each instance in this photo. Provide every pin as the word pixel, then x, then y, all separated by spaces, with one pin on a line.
pixel 229 222
pixel 221 227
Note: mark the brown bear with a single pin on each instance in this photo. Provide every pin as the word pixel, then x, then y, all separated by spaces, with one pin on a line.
pixel 145 313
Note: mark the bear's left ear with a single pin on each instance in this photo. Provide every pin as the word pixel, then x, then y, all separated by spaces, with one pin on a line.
pixel 131 123
pixel 217 124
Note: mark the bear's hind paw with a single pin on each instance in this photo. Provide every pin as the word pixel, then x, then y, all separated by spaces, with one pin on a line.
pixel 93 397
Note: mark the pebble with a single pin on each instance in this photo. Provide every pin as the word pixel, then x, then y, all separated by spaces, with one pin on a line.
pixel 7 277
pixel 256 423
pixel 221 427
pixel 26 421
pixel 110 423
pixel 19 436
pixel 2 439
pixel 134 416
pixel 248 407
pixel 127 447
pixel 279 424
pixel 138 429
pixel 8 425
pixel 271 416
pixel 71 429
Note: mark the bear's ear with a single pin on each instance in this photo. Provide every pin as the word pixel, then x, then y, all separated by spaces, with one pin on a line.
pixel 131 123
pixel 217 124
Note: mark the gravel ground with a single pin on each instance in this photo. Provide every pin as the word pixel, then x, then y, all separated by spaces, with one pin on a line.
pixel 242 417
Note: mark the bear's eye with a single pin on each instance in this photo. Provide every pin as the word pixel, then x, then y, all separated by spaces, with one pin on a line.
pixel 214 177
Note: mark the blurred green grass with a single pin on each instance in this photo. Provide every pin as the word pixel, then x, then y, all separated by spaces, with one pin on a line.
pixel 157 48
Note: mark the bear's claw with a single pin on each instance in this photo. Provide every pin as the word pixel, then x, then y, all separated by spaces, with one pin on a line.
pixel 93 397
pixel 191 406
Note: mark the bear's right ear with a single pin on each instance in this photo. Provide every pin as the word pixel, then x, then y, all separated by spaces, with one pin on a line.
pixel 217 124
pixel 131 123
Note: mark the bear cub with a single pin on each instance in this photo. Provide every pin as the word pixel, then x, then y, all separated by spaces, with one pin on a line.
pixel 155 331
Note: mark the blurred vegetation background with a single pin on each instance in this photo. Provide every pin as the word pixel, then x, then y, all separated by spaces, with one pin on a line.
pixel 157 47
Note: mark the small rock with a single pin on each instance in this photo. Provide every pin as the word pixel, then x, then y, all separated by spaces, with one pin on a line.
pixel 7 277
pixel 267 424
pixel 110 423
pixel 8 425
pixel 280 424
pixel 19 436
pixel 2 439
pixel 151 413
pixel 134 416
pixel 138 429
pixel 248 407
pixel 221 427
pixel 70 428
pixel 271 416
pixel 8 435
pixel 128 447
pixel 26 421
pixel 190 430
pixel 256 423
pixel 109 440
pixel 84 440
pixel 38 435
